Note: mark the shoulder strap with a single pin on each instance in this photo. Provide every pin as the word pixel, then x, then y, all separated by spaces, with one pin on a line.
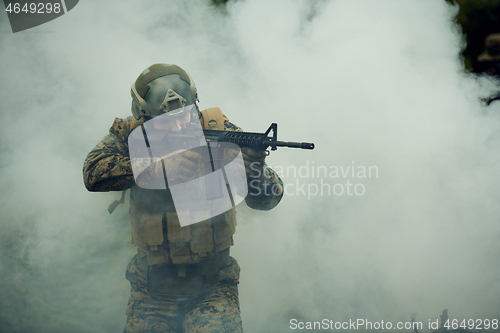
pixel 114 204
pixel 135 123
pixel 212 119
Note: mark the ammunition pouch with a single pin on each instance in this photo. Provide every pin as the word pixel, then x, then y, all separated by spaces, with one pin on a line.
pixel 184 280
pixel 157 232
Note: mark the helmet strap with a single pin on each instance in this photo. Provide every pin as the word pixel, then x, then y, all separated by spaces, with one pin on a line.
pixel 139 101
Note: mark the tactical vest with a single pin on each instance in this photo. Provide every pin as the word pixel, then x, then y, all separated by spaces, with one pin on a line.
pixel 155 224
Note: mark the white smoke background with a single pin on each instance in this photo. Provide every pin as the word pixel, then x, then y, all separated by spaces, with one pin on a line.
pixel 371 83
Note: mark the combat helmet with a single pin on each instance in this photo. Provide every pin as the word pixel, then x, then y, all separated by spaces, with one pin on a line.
pixel 163 88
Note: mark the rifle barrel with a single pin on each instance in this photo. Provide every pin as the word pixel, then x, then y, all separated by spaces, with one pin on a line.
pixel 301 145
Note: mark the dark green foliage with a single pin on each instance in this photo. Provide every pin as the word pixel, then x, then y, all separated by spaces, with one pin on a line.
pixel 219 2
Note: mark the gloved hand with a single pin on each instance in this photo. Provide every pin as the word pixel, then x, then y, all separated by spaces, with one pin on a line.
pixel 180 166
pixel 254 162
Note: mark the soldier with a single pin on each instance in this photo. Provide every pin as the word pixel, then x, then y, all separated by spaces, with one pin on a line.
pixel 489 61
pixel 182 278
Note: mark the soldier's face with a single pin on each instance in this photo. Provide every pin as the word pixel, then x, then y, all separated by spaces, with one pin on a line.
pixel 174 124
pixel 489 60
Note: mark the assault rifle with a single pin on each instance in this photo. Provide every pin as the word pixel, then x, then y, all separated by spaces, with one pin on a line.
pixel 256 141
pixel 146 142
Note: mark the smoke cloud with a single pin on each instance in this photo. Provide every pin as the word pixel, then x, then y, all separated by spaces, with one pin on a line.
pixel 395 212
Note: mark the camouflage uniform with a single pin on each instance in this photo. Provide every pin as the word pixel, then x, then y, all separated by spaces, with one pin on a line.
pixel 215 307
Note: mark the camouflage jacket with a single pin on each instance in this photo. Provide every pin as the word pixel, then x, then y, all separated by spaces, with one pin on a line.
pixel 107 167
